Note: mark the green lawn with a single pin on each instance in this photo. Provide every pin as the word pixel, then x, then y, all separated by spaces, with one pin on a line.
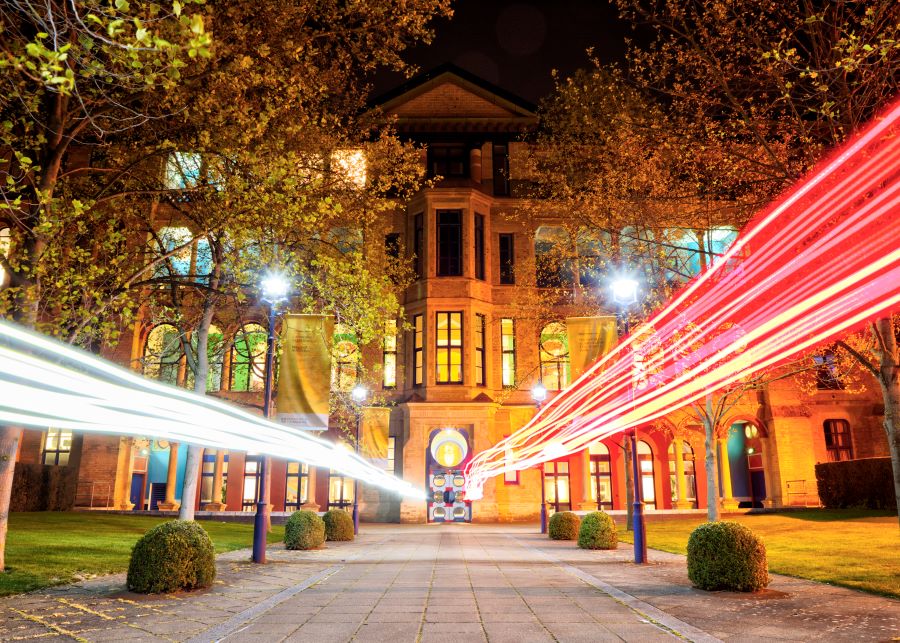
pixel 856 549
pixel 50 548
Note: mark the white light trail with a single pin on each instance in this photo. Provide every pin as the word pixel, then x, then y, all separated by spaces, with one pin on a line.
pixel 44 383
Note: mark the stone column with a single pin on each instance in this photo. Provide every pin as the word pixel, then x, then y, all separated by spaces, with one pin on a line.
pixel 769 500
pixel 587 503
pixel 728 501
pixel 681 499
pixel 124 471
pixel 475 164
pixel 311 503
pixel 170 504
pixel 216 503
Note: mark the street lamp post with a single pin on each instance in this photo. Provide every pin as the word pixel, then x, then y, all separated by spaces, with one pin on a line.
pixel 359 394
pixel 274 290
pixel 624 293
pixel 539 394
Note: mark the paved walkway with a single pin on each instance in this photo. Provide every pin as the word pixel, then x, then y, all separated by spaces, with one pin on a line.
pixel 454 583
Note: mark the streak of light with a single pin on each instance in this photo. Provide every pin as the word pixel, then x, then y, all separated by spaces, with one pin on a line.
pixel 818 264
pixel 44 383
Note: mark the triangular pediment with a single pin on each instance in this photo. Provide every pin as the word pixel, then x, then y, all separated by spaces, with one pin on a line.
pixel 451 94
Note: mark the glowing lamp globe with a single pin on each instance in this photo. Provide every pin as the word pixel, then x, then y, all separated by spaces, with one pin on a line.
pixel 624 291
pixel 539 392
pixel 359 393
pixel 274 288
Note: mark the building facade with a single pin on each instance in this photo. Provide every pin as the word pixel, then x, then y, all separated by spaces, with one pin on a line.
pixel 458 373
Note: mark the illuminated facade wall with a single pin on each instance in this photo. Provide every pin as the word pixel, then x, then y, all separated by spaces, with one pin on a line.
pixel 475 348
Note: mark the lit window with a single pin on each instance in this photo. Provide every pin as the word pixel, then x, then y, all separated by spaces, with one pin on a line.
pixel 509 476
pixel 162 354
pixel 391 453
pixel 215 352
pixel 648 487
pixel 296 485
pixel 601 476
pixel 208 478
pixel 345 362
pixel 508 350
pixel 340 491
pixel 556 485
pixel 554 353
pixel 183 170
pixel 248 358
pixel 176 245
pixel 448 353
pixel 837 440
pixel 479 350
pixel 4 250
pixel 690 473
pixel 389 355
pixel 418 350
pixel 57 446
pixel 250 493
pixel 351 165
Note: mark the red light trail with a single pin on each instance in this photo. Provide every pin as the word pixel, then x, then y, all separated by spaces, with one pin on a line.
pixel 818 264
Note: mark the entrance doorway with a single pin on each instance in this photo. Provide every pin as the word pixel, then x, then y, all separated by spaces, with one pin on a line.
pixel 448 453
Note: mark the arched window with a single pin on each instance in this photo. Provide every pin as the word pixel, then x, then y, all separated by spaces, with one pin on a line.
pixel 648 488
pixel 215 351
pixel 4 250
pixel 601 476
pixel 248 358
pixel 345 358
pixel 554 354
pixel 553 265
pixel 594 252
pixel 162 354
pixel 690 472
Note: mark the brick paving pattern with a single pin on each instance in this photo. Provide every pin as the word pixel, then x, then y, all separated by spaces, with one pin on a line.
pixel 448 583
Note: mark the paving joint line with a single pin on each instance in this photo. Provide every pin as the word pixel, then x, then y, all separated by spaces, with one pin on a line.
pixel 437 557
pixel 233 624
pixel 654 615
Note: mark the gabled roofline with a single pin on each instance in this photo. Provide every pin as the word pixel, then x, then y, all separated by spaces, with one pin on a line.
pixel 424 81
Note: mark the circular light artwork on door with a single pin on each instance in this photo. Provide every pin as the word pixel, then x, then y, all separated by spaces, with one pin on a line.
pixel 449 448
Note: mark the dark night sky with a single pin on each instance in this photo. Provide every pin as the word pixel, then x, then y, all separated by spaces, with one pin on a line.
pixel 516 44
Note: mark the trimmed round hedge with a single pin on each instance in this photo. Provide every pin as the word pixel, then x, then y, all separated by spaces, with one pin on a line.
pixel 598 531
pixel 564 525
pixel 173 556
pixel 338 525
pixel 304 530
pixel 726 555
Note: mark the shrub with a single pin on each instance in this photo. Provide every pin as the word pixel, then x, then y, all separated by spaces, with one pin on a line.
pixel 172 556
pixel 304 530
pixel 338 525
pixel 598 531
pixel 866 483
pixel 564 525
pixel 726 555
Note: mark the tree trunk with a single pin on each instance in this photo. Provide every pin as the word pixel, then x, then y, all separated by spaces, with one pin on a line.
pixel 712 478
pixel 9 444
pixel 629 485
pixel 195 452
pixel 889 379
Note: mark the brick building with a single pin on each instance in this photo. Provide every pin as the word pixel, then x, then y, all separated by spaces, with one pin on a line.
pixel 460 378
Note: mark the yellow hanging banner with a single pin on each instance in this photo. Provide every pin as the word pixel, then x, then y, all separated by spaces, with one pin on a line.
pixel 304 374
pixel 590 338
pixel 373 435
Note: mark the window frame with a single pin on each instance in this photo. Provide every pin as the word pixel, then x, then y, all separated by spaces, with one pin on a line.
pixel 302 476
pixel 58 451
pixel 507 255
pixel 511 352
pixel 419 244
pixel 451 256
pixel 450 349
pixel 480 331
pixel 835 449
pixel 478 242
pixel 418 345
pixel 389 355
